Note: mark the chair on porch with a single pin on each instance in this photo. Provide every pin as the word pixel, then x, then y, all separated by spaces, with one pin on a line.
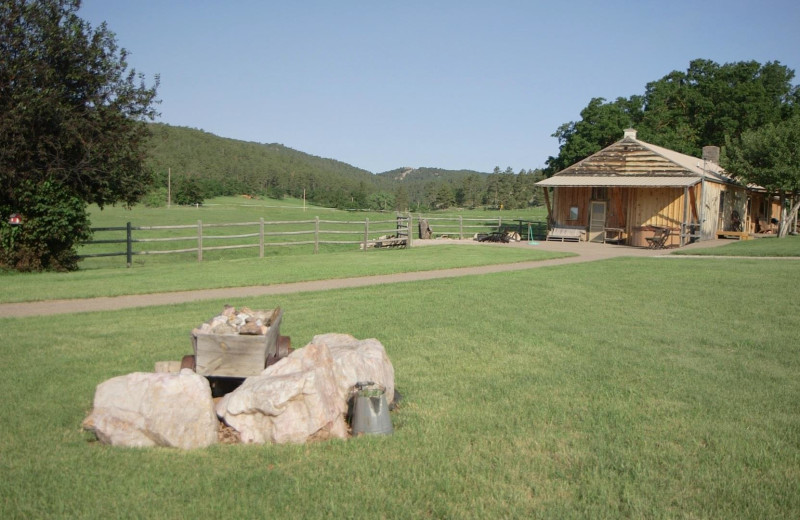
pixel 659 238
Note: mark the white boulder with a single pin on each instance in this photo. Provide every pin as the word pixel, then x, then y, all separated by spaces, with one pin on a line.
pixel 154 409
pixel 294 400
pixel 358 361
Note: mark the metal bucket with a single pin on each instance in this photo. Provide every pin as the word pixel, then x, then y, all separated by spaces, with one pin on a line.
pixel 371 411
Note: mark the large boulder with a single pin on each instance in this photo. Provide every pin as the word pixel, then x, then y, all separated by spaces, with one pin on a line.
pixel 160 409
pixel 294 400
pixel 358 361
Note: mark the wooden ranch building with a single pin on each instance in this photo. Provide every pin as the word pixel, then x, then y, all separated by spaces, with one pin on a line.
pixel 627 191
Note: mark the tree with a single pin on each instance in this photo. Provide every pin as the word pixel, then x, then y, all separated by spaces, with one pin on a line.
pixel 380 200
pixel 443 197
pixel 186 191
pixel 72 130
pixel 601 124
pixel 685 110
pixel 769 157
pixel 401 198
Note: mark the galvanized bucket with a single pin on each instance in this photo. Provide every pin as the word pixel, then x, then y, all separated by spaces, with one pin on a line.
pixel 370 410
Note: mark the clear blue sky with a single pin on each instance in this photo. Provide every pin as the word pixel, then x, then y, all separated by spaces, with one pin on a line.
pixel 449 84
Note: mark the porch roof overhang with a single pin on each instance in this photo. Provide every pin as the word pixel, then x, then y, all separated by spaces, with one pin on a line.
pixel 627 181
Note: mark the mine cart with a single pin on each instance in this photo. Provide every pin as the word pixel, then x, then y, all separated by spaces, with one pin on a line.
pixel 238 345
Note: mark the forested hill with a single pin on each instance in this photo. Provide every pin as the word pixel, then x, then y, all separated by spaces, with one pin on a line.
pixel 220 166
pixel 204 165
pixel 408 174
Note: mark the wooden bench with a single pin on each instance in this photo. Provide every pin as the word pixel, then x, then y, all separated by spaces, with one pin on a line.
pixel 740 235
pixel 567 234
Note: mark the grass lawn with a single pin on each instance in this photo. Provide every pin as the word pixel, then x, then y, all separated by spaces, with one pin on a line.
pixel 177 276
pixel 287 221
pixel 766 246
pixel 637 388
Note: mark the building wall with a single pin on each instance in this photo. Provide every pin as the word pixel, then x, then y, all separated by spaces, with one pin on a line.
pixel 565 198
pixel 719 203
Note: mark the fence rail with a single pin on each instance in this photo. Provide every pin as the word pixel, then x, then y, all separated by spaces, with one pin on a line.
pixel 366 233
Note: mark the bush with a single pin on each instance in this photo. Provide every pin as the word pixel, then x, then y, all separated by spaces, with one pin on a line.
pixel 54 221
pixel 156 198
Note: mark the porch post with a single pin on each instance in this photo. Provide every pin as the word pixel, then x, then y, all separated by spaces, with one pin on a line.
pixel 702 218
pixel 549 208
pixel 685 224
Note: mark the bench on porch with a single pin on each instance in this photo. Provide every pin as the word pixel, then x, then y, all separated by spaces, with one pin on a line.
pixel 567 233
pixel 739 235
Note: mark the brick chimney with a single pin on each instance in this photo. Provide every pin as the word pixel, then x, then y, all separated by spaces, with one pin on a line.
pixel 711 154
pixel 629 132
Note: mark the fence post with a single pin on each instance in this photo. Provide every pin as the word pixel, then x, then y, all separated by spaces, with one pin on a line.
pixel 410 230
pixel 460 227
pixel 316 235
pixel 499 224
pixel 261 237
pixel 129 240
pixel 199 240
pixel 366 233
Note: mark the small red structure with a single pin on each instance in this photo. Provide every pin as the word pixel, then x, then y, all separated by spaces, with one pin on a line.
pixel 14 219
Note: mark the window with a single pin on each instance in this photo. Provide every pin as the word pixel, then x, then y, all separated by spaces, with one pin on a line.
pixel 599 193
pixel 573 213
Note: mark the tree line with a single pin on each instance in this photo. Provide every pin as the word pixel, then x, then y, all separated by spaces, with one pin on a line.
pixel 198 165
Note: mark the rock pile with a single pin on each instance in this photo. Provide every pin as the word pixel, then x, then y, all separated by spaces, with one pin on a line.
pixel 300 398
pixel 244 321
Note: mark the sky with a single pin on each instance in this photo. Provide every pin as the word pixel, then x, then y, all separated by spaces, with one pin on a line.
pixel 448 84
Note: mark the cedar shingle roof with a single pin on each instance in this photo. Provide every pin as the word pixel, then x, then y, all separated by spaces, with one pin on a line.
pixel 631 162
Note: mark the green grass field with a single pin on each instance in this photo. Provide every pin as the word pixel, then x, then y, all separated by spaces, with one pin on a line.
pixel 760 247
pixel 179 276
pixel 633 388
pixel 290 214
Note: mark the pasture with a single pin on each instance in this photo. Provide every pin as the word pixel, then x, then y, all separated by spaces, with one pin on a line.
pixel 654 387
pixel 289 229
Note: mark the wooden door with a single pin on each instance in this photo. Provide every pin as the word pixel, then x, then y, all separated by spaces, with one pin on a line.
pixel 597 221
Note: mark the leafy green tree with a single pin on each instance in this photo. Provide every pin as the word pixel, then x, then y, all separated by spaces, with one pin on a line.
pixel 72 130
pixel 380 200
pixel 187 191
pixel 601 124
pixel 769 157
pixel 685 110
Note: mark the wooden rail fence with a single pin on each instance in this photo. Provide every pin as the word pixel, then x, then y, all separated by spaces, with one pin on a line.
pixel 262 234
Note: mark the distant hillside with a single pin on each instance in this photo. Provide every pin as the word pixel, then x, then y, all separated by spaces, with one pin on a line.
pixel 222 166
pixel 204 165
pixel 422 184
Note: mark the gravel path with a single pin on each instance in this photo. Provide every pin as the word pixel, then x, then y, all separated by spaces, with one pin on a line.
pixel 587 252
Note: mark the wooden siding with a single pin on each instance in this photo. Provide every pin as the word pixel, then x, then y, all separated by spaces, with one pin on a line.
pixel 633 209
pixel 718 218
pixel 564 199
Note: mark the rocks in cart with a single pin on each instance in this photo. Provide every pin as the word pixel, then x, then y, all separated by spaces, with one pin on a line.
pixel 161 409
pixel 243 321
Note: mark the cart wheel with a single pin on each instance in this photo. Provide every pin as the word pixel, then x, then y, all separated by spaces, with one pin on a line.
pixel 284 346
pixel 188 362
